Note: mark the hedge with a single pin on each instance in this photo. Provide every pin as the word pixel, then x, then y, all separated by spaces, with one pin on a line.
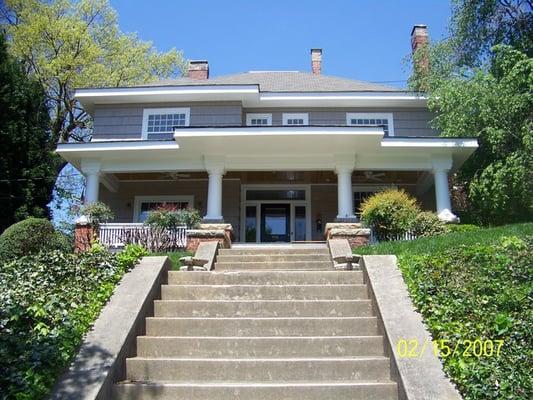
pixel 48 302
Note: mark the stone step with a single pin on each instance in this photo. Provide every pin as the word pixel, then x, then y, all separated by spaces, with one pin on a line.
pixel 273 265
pixel 262 308
pixel 261 347
pixel 349 390
pixel 264 277
pixel 258 370
pixel 273 258
pixel 274 250
pixel 260 327
pixel 264 292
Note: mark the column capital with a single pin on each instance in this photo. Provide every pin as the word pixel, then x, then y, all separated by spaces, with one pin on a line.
pixel 90 167
pixel 215 163
pixel 441 162
pixel 344 163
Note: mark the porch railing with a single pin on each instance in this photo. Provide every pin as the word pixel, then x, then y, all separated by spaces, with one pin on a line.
pixel 117 235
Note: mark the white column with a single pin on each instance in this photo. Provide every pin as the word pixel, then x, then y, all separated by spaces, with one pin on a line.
pixel 214 195
pixel 344 192
pixel 91 186
pixel 442 196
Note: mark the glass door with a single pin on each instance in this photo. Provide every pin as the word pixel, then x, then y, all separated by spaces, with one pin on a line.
pixel 275 223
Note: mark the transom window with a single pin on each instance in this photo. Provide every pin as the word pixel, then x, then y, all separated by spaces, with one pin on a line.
pixel 372 119
pixel 254 119
pixel 296 119
pixel 163 120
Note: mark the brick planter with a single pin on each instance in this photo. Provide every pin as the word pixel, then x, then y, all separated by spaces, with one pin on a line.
pixel 222 233
pixel 83 236
pixel 353 232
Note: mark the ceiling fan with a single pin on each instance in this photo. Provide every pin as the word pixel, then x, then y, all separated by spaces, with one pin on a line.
pixel 374 176
pixel 176 175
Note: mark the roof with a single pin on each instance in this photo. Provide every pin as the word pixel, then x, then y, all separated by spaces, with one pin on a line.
pixel 284 81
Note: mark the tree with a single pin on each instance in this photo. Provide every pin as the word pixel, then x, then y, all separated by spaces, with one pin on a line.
pixel 495 106
pixel 72 44
pixel 27 164
pixel 479 25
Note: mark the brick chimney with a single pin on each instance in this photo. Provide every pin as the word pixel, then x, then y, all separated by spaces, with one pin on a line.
pixel 420 39
pixel 198 69
pixel 316 61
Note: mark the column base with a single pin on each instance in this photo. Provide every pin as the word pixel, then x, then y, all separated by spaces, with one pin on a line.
pixel 447 216
pixel 208 232
pixel 356 235
pixel 348 220
pixel 206 220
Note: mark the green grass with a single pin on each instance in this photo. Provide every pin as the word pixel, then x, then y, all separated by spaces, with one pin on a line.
pixel 432 245
pixel 475 286
pixel 174 257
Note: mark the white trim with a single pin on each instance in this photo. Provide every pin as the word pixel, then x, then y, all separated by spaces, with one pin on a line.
pixel 429 142
pixel 277 131
pixel 162 198
pixel 250 116
pixel 159 111
pixel 293 203
pixel 303 116
pixel 117 145
pixel 194 89
pixel 357 115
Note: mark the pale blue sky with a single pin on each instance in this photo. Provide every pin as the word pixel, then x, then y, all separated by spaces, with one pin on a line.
pixel 364 40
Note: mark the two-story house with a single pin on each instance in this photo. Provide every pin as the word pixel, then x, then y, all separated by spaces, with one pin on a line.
pixel 275 153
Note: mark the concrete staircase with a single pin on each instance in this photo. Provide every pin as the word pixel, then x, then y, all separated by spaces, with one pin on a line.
pixel 271 324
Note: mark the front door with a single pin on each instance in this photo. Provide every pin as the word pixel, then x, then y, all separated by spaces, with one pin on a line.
pixel 275 223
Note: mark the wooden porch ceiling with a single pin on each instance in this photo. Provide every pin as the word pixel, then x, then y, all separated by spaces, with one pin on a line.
pixel 266 177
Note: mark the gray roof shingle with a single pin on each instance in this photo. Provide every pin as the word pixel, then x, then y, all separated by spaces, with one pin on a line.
pixel 284 81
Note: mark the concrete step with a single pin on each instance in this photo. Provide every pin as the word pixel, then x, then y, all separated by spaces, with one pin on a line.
pixel 263 308
pixel 261 347
pixel 273 265
pixel 264 277
pixel 258 369
pixel 273 258
pixel 264 292
pixel 274 250
pixel 349 390
pixel 260 327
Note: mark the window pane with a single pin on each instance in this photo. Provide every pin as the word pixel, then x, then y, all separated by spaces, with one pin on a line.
pixel 275 195
pixel 299 223
pixel 251 224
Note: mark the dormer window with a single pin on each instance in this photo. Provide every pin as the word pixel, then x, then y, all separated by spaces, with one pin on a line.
pixel 158 121
pixel 372 119
pixel 291 119
pixel 254 119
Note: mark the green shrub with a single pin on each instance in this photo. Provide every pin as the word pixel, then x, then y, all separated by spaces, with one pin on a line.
pixel 390 213
pixel 97 212
pixel 48 302
pixel 169 218
pixel 427 223
pixel 29 237
pixel 479 292
pixel 461 228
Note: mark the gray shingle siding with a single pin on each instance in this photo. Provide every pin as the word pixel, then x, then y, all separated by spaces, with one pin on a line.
pixel 125 121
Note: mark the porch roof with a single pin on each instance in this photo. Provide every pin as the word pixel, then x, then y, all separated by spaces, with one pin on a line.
pixel 272 148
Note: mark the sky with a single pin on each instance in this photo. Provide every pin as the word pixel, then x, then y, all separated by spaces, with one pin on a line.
pixel 361 39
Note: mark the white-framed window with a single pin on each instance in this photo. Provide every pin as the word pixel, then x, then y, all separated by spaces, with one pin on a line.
pixel 372 119
pixel 292 119
pixel 255 119
pixel 163 120
pixel 361 193
pixel 144 204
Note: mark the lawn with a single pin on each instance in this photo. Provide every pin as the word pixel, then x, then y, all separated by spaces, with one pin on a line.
pixel 474 291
